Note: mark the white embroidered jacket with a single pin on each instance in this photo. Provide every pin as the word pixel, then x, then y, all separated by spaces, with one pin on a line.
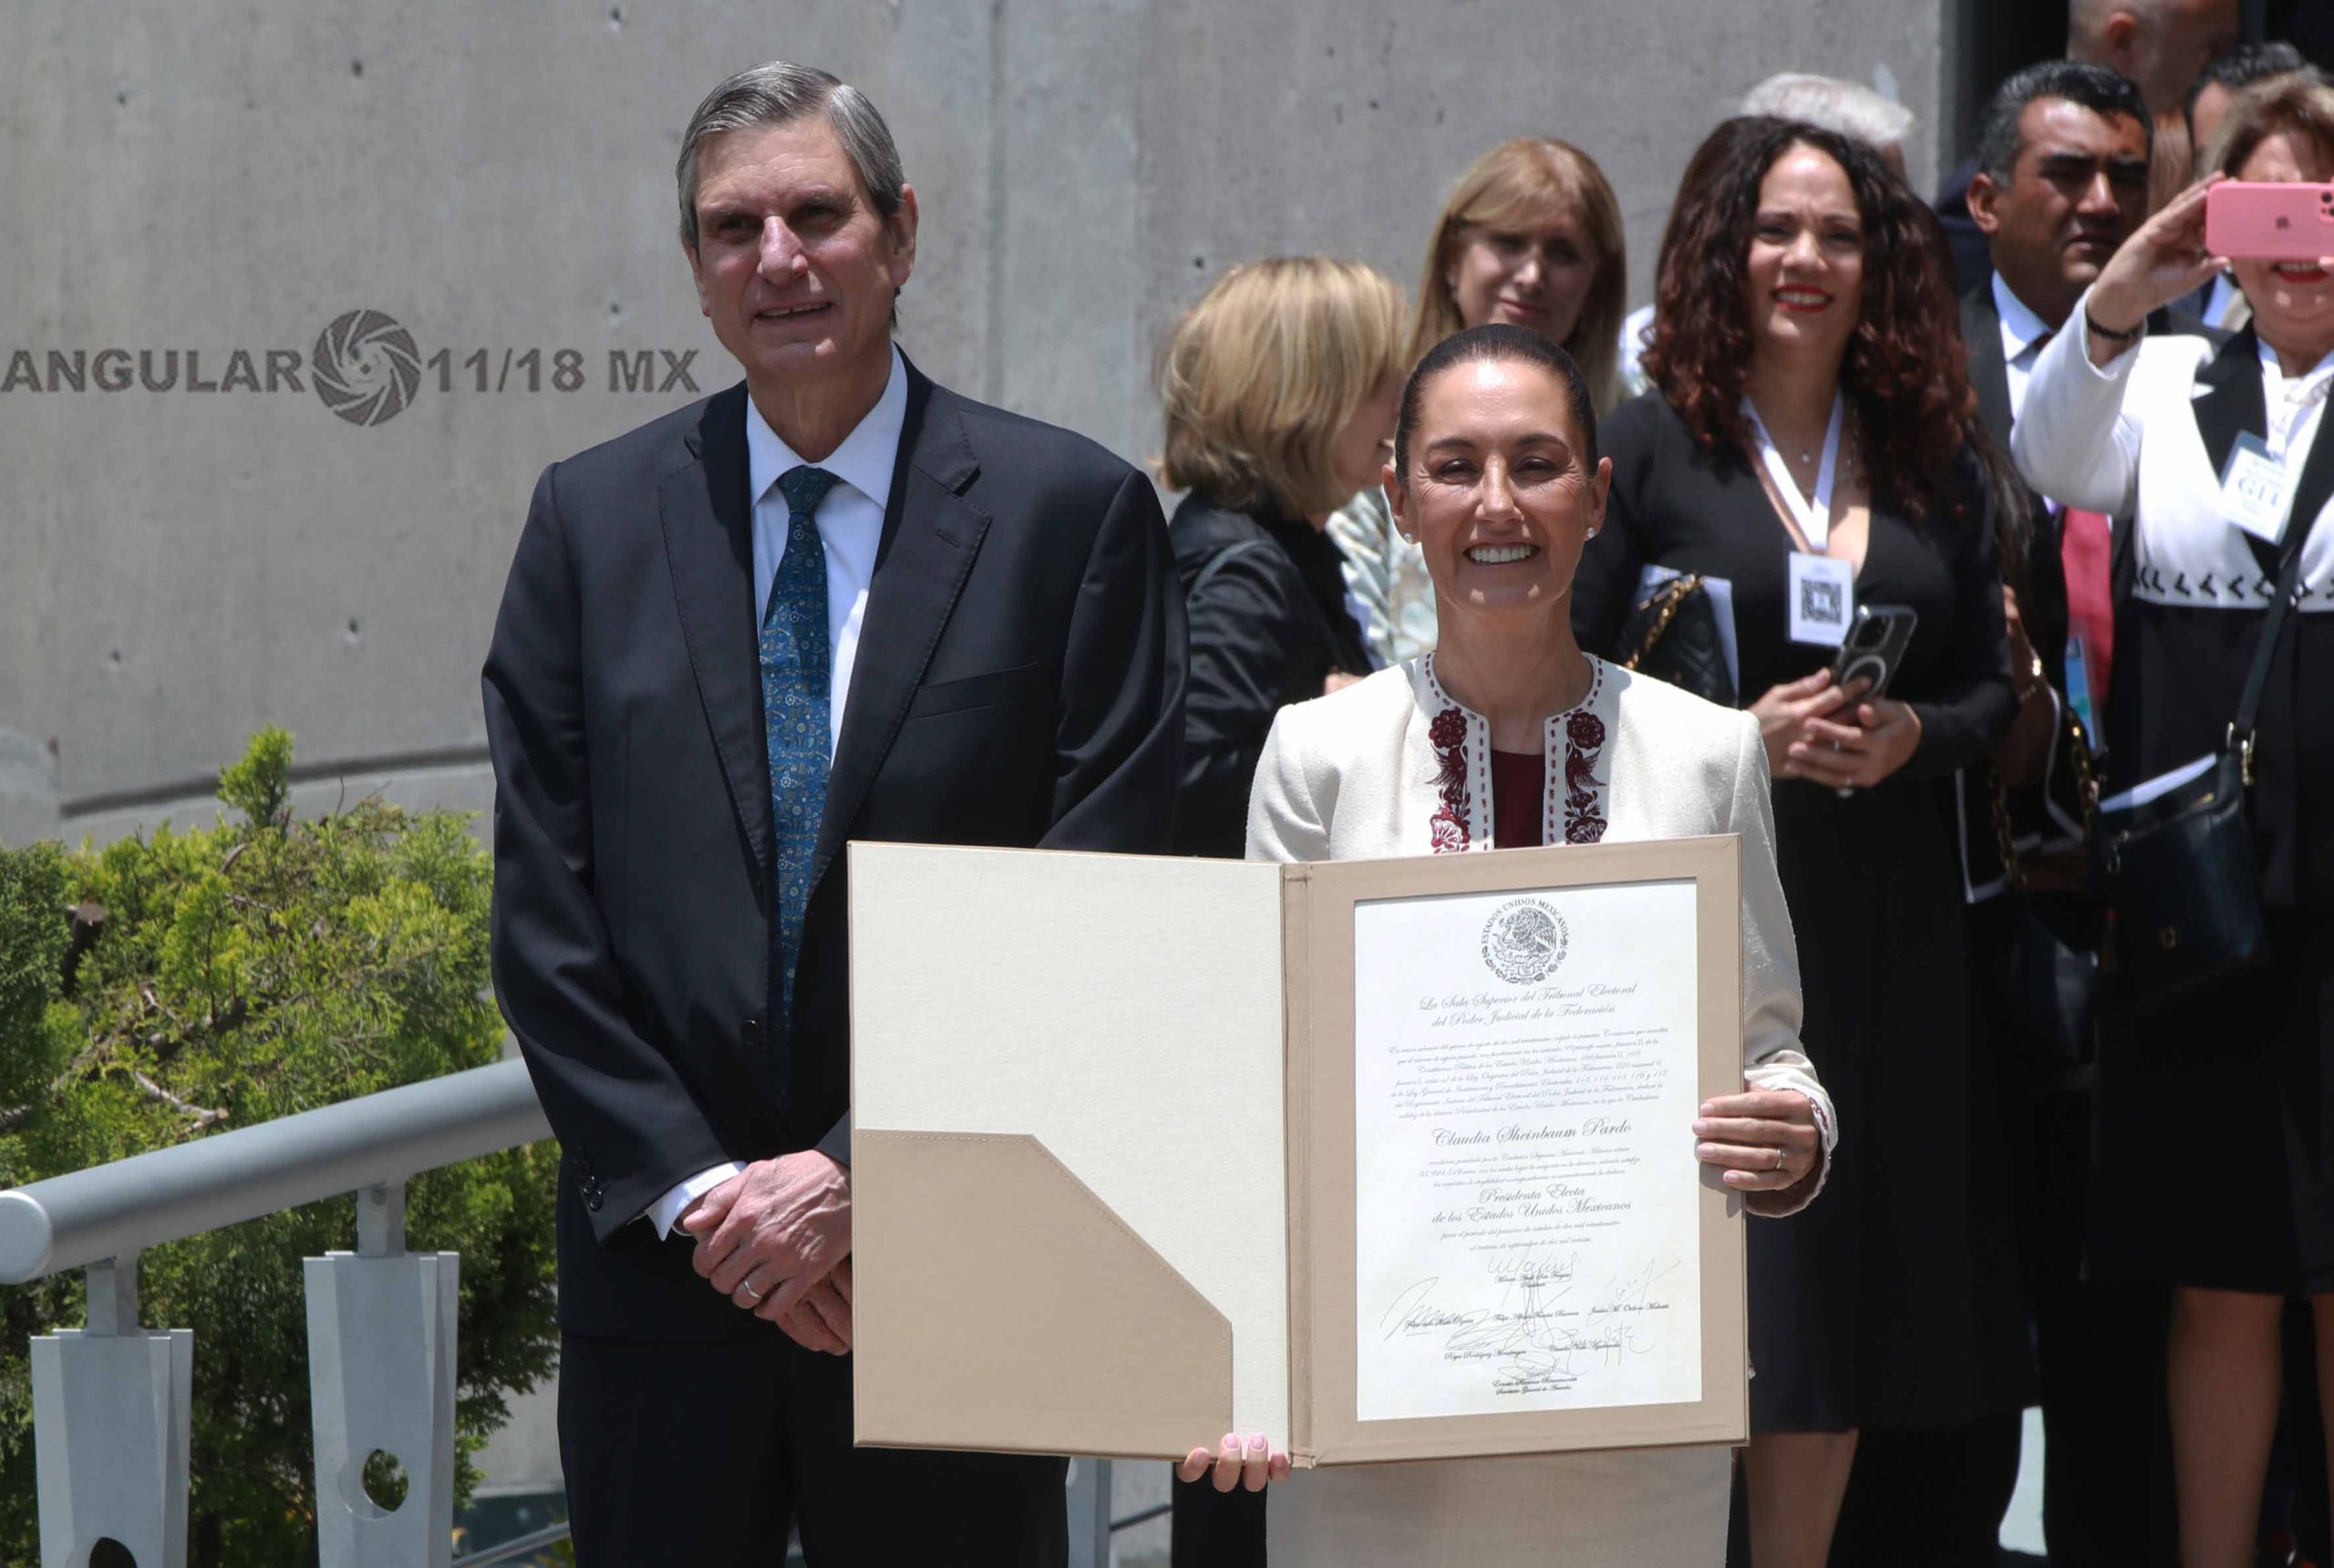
pixel 1391 765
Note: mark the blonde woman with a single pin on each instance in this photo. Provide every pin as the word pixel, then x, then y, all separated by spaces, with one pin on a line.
pixel 1530 236
pixel 1278 388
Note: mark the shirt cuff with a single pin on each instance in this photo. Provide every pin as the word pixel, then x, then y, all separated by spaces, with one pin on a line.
pixel 665 1212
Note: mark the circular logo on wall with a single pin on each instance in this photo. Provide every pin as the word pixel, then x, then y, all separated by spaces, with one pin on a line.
pixel 1525 941
pixel 366 367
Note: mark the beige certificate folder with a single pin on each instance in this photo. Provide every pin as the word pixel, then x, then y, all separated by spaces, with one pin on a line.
pixel 1104 1153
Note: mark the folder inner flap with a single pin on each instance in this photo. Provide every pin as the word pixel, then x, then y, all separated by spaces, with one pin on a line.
pixel 1122 1011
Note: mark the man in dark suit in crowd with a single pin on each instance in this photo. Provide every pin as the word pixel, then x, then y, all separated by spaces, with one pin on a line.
pixel 2163 46
pixel 835 602
pixel 2062 181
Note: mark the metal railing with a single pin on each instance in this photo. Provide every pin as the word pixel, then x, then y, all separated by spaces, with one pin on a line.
pixel 118 1211
pixel 111 1402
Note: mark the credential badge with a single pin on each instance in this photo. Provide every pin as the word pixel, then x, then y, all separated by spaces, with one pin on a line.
pixel 1524 941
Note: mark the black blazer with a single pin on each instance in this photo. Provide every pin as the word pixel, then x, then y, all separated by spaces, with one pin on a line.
pixel 1266 600
pixel 1019 681
pixel 2044 607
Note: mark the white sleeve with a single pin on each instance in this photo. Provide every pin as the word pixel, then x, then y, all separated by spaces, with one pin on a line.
pixel 666 1211
pixel 1771 1007
pixel 2073 440
pixel 1284 821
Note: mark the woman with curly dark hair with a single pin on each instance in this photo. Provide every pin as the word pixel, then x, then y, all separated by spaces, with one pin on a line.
pixel 1804 453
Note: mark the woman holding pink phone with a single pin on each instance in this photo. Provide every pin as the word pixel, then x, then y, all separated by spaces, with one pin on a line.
pixel 2215 1143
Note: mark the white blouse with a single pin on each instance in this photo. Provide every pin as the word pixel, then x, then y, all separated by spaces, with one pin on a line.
pixel 1393 765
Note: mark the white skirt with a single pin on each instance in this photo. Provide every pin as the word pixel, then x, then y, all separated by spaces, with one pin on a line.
pixel 1644 1508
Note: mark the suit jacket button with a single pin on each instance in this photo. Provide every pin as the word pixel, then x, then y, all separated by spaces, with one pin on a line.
pixel 751 1032
pixel 592 1203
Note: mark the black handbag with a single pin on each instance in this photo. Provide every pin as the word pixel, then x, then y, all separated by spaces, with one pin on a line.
pixel 1672 634
pixel 2182 885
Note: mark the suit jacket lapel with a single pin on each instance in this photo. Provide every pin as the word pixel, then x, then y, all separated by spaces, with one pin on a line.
pixel 707 518
pixel 2233 402
pixel 1981 334
pixel 931 534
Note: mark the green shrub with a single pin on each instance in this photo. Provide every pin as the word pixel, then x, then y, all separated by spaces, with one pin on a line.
pixel 170 988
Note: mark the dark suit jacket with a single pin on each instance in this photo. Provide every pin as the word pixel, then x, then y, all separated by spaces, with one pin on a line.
pixel 2044 608
pixel 1267 598
pixel 1973 261
pixel 1019 681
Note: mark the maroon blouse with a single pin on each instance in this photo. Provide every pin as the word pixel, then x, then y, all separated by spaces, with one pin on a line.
pixel 1519 790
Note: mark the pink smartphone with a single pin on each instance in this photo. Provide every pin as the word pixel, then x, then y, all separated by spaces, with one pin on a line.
pixel 2269 222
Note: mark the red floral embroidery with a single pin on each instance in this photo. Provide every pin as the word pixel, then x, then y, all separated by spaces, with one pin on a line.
pixel 1448 826
pixel 1583 738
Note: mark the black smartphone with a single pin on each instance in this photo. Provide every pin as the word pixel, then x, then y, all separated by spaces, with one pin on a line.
pixel 1874 647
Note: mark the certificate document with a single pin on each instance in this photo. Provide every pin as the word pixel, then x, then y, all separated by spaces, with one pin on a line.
pixel 1526 1200
pixel 1460 1090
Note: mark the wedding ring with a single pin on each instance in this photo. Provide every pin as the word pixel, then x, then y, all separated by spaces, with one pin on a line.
pixel 757 1295
pixel 1779 1159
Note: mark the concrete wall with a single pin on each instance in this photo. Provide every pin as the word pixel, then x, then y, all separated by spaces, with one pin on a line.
pixel 178 567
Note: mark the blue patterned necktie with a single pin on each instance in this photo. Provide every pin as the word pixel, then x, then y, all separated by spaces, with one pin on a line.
pixel 794 658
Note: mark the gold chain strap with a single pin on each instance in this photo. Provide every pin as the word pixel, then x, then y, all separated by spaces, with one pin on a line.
pixel 2086 795
pixel 1670 595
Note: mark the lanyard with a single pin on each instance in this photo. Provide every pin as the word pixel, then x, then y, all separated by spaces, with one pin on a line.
pixel 1813 515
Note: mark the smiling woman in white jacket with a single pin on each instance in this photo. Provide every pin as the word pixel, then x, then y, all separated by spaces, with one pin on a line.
pixel 2144 430
pixel 1510 734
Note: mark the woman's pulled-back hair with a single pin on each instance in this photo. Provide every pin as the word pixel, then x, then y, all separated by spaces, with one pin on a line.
pixel 1497 343
pixel 1260 377
pixel 1904 376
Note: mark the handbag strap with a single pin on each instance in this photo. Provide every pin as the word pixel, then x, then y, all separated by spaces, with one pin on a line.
pixel 1670 597
pixel 2273 627
pixel 2086 798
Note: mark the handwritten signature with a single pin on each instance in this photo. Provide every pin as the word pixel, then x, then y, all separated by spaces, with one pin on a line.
pixel 1536 1339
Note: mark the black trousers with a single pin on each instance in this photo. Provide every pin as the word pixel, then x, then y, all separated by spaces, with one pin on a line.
pixel 705 1454
pixel 1212 1528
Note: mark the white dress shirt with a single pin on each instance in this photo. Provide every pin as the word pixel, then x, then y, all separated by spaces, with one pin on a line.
pixel 850 525
pixel 2217 303
pixel 2297 407
pixel 2023 333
